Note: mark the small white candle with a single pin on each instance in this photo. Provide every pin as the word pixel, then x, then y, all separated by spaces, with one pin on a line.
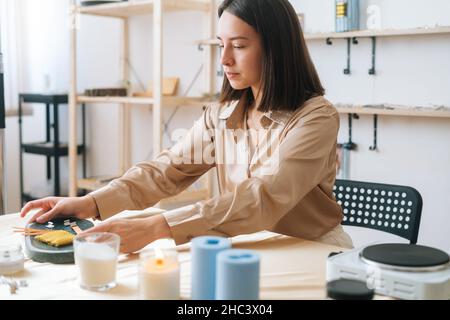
pixel 159 275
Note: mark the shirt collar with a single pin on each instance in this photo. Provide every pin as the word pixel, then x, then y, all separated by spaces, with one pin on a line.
pixel 234 114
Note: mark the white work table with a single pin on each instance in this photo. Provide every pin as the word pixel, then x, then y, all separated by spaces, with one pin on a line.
pixel 291 268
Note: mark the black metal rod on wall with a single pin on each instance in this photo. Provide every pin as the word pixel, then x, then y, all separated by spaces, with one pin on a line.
pixel 350 145
pixel 347 70
pixel 2 137
pixel 349 42
pixel 372 70
pixel 375 133
pixel 2 96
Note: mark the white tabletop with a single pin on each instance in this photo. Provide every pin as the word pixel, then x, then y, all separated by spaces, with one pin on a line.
pixel 291 268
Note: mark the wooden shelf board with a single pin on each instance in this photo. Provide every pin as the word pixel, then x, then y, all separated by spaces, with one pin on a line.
pixel 394 111
pixel 378 33
pixel 14 112
pixel 142 7
pixel 187 101
pixel 358 34
pixel 170 101
pixel 94 183
pixel 345 109
pixel 128 100
pixel 208 42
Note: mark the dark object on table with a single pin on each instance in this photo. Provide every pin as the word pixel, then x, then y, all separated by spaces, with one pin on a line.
pixel 106 92
pixel 41 252
pixel 97 2
pixel 332 254
pixel 347 289
pixel 402 255
pixel 2 138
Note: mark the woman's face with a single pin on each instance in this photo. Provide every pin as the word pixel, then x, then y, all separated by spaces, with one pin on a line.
pixel 241 52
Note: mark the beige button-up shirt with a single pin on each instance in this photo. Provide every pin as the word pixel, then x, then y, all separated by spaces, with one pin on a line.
pixel 284 186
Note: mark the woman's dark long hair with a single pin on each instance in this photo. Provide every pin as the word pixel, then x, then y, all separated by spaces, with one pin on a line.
pixel 289 77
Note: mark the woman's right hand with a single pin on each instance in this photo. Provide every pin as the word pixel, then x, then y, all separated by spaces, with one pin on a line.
pixel 53 207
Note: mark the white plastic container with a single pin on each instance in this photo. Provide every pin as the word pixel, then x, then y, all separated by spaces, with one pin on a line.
pixel 11 259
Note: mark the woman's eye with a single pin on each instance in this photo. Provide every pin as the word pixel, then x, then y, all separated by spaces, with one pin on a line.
pixel 236 46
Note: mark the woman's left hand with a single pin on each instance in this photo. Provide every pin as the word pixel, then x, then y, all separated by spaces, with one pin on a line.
pixel 135 234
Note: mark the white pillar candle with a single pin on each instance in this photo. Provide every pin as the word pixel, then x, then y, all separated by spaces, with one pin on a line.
pixel 159 275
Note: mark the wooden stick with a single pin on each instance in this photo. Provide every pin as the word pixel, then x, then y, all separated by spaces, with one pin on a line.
pixel 30 231
pixel 32 234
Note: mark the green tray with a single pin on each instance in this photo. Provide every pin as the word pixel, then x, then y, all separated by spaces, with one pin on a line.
pixel 41 252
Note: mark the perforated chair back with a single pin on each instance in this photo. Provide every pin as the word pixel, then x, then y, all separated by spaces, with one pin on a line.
pixel 389 208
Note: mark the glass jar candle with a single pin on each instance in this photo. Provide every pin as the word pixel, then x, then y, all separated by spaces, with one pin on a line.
pixel 159 274
pixel 96 257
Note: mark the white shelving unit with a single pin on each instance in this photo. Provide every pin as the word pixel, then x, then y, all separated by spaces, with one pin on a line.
pixel 124 11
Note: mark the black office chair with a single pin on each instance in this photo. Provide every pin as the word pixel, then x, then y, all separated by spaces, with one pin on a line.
pixel 389 208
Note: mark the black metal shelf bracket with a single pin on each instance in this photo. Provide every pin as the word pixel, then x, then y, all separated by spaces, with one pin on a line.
pixel 372 70
pixel 350 41
pixel 375 133
pixel 354 40
pixel 347 70
pixel 350 145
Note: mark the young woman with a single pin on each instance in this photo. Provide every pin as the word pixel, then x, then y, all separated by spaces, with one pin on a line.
pixel 272 138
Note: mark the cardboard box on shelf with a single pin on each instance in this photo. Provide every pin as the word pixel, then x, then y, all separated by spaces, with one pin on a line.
pixel 169 88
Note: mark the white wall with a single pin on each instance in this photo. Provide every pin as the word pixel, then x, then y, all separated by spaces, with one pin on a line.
pixel 43 55
pixel 410 70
